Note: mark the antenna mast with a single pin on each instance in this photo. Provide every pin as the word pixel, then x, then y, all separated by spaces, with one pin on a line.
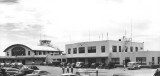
pixel 131 31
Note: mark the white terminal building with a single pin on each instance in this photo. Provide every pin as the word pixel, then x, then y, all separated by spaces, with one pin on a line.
pixel 118 52
pixel 27 54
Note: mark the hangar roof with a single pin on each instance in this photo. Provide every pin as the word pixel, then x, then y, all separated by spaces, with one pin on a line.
pixel 35 47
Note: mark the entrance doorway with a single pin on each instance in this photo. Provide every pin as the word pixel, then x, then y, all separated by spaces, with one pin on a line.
pixel 127 59
pixel 23 62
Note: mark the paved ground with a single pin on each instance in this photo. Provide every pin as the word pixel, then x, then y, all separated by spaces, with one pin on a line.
pixel 57 71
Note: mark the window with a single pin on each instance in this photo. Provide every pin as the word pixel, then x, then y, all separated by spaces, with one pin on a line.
pixel 102 48
pixel 69 51
pixel 158 60
pixel 44 53
pixel 136 49
pixel 28 52
pixel 81 49
pixel 141 48
pixel 126 48
pixel 116 60
pixel 141 60
pixel 114 48
pixel 18 51
pixel 7 53
pixel 92 49
pixel 152 60
pixel 131 49
pixel 39 52
pixel 119 48
pixel 74 50
pixel 35 53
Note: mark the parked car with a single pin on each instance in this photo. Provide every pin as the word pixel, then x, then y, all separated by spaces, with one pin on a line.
pixel 7 64
pixel 23 71
pixel 133 65
pixel 39 73
pixel 33 67
pixel 12 71
pixel 86 65
pixel 102 65
pixel 121 74
pixel 79 64
pixel 2 64
pixel 3 72
pixel 63 64
pixel 94 65
pixel 68 74
pixel 16 65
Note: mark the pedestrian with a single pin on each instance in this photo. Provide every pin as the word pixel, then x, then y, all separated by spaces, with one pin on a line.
pixel 124 66
pixel 71 68
pixel 32 62
pixel 63 69
pixel 67 69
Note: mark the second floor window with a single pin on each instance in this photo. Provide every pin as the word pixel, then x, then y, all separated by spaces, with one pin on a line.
pixel 7 53
pixel 44 53
pixel 126 48
pixel 28 52
pixel 92 49
pixel 119 48
pixel 131 49
pixel 81 49
pixel 39 52
pixel 136 49
pixel 102 48
pixel 35 53
pixel 114 48
pixel 74 50
pixel 69 51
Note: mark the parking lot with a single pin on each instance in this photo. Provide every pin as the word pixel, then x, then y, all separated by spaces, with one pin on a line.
pixel 57 71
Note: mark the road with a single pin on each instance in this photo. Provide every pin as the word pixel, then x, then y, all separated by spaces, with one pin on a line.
pixel 57 71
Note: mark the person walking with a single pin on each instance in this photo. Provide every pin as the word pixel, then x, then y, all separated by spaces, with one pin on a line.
pixel 72 68
pixel 63 69
pixel 68 66
pixel 67 69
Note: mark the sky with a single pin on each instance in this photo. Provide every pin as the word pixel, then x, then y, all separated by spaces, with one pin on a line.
pixel 72 21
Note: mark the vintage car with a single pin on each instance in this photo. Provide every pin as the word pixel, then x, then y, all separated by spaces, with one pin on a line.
pixel 79 64
pixel 12 71
pixel 121 74
pixel 68 74
pixel 39 73
pixel 133 65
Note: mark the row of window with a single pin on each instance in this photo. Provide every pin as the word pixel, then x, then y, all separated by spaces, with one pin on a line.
pixel 36 53
pixel 91 49
pixel 125 49
pixel 43 52
pixel 139 60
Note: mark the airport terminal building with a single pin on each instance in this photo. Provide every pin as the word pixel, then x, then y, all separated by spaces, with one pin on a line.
pixel 29 54
pixel 118 52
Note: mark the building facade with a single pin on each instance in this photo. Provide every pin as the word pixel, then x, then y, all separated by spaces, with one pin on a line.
pixel 119 52
pixel 29 54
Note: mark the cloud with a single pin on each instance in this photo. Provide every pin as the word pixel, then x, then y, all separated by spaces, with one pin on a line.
pixel 8 1
pixel 20 31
